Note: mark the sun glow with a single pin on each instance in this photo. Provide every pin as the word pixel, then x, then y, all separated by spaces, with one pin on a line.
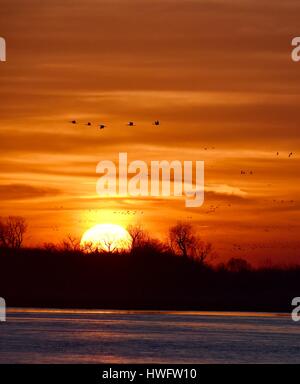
pixel 106 237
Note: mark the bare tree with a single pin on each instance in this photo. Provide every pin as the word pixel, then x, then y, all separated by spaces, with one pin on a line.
pixel 88 247
pixel 183 240
pixel 3 234
pixel 50 247
pixel 138 236
pixel 236 264
pixel 201 251
pixel 71 244
pixel 12 231
pixel 110 244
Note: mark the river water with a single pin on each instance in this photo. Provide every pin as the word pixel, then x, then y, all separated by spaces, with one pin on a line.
pixel 76 336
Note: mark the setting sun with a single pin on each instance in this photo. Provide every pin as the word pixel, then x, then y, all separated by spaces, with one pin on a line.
pixel 106 237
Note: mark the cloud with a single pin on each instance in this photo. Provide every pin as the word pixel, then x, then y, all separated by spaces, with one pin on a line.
pixel 23 191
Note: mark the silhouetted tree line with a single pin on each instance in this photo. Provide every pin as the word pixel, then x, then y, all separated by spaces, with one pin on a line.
pixel 175 274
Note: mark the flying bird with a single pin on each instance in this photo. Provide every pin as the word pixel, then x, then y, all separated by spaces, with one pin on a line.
pixel 102 126
pixel 131 124
pixel 88 123
pixel 290 154
pixel 156 122
pixel 73 122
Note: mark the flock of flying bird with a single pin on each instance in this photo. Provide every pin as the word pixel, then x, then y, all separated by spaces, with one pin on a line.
pixel 290 154
pixel 157 123
pixel 251 172
pixel 102 126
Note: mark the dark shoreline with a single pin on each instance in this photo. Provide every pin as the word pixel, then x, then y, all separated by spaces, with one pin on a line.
pixel 145 311
pixel 43 305
pixel 37 278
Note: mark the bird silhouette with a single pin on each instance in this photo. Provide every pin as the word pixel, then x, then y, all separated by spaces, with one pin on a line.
pixel 73 122
pixel 102 126
pixel 131 124
pixel 156 122
pixel 88 123
pixel 290 154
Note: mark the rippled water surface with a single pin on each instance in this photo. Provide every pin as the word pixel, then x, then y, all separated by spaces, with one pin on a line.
pixel 63 336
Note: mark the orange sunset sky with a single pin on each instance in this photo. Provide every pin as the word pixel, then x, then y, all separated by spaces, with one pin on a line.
pixel 217 74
